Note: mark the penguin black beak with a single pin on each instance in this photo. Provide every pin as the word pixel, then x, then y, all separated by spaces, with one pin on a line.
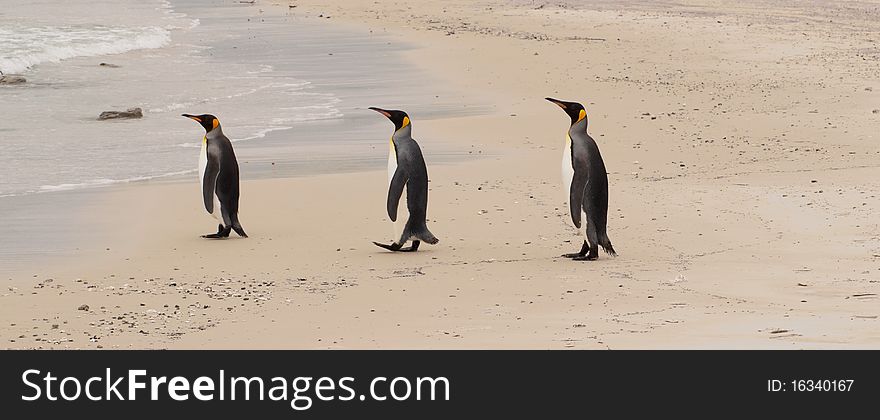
pixel 561 104
pixel 381 111
pixel 192 117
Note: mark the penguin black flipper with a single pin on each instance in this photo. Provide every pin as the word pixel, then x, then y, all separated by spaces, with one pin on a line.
pixel 395 191
pixel 576 196
pixel 209 183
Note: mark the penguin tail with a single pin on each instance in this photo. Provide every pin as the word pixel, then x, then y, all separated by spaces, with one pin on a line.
pixel 424 235
pixel 605 243
pixel 428 237
pixel 236 226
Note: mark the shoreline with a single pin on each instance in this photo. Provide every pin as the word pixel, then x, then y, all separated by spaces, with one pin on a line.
pixel 741 220
pixel 43 221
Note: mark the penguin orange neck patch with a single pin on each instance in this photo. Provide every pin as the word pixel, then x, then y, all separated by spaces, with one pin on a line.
pixel 216 123
pixel 582 115
pixel 405 122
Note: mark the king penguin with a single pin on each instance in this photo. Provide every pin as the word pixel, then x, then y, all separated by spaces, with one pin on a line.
pixel 406 167
pixel 586 184
pixel 218 175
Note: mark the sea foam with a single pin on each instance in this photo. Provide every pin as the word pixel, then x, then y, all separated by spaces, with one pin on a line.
pixel 22 48
pixel 104 182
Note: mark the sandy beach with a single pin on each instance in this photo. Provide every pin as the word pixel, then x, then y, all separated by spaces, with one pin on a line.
pixel 742 149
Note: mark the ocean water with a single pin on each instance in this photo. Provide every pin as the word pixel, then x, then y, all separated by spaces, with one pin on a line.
pixel 290 91
pixel 49 137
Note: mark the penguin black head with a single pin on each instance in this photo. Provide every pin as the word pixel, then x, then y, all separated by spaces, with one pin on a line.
pixel 208 121
pixel 399 118
pixel 574 110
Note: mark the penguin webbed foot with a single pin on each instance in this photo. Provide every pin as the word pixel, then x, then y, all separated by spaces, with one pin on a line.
pixel 588 257
pixel 395 247
pixel 578 255
pixel 222 233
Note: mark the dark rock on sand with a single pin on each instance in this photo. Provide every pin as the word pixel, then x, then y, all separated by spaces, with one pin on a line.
pixel 127 114
pixel 112 66
pixel 12 79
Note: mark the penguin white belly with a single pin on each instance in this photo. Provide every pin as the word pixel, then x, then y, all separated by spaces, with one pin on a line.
pixel 397 225
pixel 567 178
pixel 216 213
pixel 567 170
pixel 203 164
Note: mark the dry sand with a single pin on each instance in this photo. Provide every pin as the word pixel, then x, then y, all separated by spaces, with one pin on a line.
pixel 741 141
